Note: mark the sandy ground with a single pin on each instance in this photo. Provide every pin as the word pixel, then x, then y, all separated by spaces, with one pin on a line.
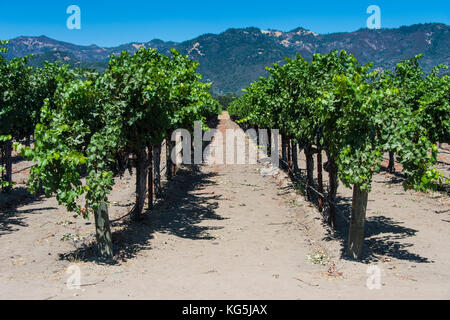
pixel 227 232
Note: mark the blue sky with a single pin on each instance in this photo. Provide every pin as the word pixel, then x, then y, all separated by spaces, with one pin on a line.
pixel 110 23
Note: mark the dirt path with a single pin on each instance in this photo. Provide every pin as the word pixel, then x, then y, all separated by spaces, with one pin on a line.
pixel 228 232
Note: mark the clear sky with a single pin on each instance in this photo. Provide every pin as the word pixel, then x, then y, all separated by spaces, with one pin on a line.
pixel 110 23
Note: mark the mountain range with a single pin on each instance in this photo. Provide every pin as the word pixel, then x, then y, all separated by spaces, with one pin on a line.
pixel 233 59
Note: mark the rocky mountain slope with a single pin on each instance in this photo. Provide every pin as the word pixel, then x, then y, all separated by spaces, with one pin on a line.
pixel 236 57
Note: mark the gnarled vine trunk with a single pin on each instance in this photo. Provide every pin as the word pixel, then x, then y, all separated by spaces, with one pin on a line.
pixel 356 232
pixel 289 153
pixel 391 165
pixel 309 170
pixel 157 170
pixel 295 155
pixel 258 141
pixel 319 179
pixel 103 232
pixel 6 157
pixel 284 149
pixel 332 189
pixel 141 181
pixel 169 162
pixel 150 177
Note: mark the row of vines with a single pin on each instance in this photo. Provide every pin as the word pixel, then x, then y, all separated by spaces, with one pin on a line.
pixel 335 105
pixel 89 128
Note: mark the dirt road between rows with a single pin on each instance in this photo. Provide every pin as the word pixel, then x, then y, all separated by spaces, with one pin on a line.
pixel 228 232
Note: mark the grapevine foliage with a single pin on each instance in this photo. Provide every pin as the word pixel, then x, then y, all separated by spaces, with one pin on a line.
pixel 359 113
pixel 94 120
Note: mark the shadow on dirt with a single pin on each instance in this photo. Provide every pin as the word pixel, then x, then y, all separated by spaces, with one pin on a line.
pixel 178 213
pixel 383 236
pixel 181 210
pixel 10 216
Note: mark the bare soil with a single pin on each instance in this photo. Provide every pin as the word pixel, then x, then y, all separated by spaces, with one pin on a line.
pixel 228 232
